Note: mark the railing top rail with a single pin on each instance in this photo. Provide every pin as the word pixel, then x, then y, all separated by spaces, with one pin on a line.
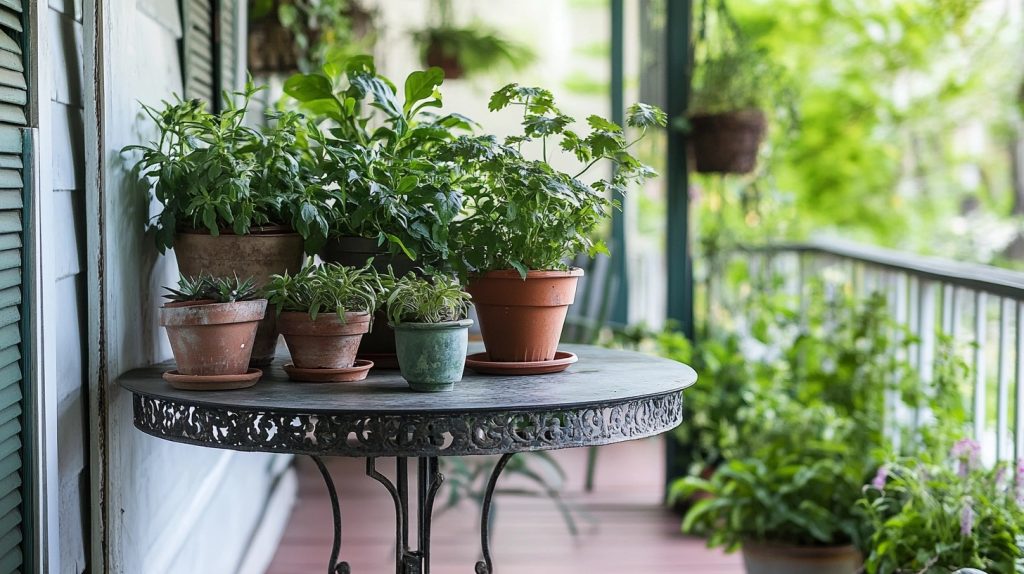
pixel 994 280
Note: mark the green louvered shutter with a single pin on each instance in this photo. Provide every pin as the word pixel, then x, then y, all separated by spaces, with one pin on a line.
pixel 210 42
pixel 13 99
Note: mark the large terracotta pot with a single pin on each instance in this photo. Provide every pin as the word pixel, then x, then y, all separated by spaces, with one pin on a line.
pixel 210 339
pixel 762 558
pixel 727 142
pixel 379 344
pixel 258 255
pixel 324 343
pixel 521 320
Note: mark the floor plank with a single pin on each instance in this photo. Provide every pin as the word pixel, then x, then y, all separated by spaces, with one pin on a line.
pixel 623 528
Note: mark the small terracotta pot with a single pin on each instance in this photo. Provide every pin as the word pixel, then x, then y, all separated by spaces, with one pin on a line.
pixel 379 343
pixel 767 558
pixel 267 251
pixel 210 339
pixel 326 343
pixel 521 320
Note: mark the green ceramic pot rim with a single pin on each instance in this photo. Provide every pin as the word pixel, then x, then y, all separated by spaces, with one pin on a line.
pixel 465 323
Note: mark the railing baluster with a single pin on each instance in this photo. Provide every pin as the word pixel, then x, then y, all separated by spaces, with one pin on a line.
pixel 926 348
pixel 914 318
pixel 1018 403
pixel 956 319
pixel 1003 396
pixel 947 308
pixel 980 340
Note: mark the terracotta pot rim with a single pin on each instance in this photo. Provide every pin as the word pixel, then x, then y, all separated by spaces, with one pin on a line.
pixel 261 231
pixel 444 326
pixel 180 304
pixel 329 316
pixel 326 324
pixel 769 547
pixel 531 274
pixel 204 313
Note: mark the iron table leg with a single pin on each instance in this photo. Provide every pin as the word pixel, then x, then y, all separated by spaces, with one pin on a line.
pixel 484 566
pixel 333 567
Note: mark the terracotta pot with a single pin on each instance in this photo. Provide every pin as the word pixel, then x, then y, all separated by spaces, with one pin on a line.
pixel 727 142
pixel 521 320
pixel 210 339
pixel 767 558
pixel 259 255
pixel 379 343
pixel 326 343
pixel 449 63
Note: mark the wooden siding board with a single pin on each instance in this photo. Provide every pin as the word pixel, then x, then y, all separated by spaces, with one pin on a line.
pixel 68 158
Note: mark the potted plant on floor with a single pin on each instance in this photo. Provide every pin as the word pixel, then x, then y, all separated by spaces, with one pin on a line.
pixel 526 219
pixel 431 330
pixel 323 312
pixel 732 82
pixel 236 200
pixel 790 502
pixel 466 50
pixel 211 324
pixel 928 518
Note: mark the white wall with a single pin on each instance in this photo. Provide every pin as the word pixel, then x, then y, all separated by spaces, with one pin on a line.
pixel 169 507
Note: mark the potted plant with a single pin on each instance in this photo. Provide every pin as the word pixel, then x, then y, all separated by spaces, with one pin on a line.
pixel 526 218
pixel 431 330
pixel 935 518
pixel 236 200
pixel 286 36
pixel 466 50
pixel 396 196
pixel 211 324
pixel 323 312
pixel 731 82
pixel 790 502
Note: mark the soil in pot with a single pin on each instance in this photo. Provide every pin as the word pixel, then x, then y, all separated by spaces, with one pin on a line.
pixel 325 343
pixel 212 339
pixel 379 344
pixel 727 142
pixel 764 558
pixel 521 321
pixel 432 356
pixel 259 255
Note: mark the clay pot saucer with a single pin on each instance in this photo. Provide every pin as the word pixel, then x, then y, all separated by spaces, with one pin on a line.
pixel 482 364
pixel 213 382
pixel 356 372
pixel 386 361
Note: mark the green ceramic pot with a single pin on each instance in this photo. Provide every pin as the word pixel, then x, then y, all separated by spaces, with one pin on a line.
pixel 432 355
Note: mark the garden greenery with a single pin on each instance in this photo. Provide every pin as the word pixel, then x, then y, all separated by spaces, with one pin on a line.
pixel 216 289
pixel 414 299
pixel 328 287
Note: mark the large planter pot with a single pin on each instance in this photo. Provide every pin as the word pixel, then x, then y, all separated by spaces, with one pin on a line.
pixel 761 558
pixel 379 344
pixel 325 343
pixel 212 339
pixel 258 255
pixel 727 142
pixel 432 356
pixel 521 320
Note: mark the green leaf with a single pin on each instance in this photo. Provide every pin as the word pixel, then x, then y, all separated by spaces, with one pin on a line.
pixel 309 87
pixel 641 115
pixel 420 85
pixel 599 123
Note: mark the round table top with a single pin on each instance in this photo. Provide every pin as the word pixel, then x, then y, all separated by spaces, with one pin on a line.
pixel 608 396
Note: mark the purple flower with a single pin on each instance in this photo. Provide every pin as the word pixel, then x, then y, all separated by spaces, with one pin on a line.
pixel 878 483
pixel 1019 482
pixel 968 453
pixel 1001 478
pixel 966 518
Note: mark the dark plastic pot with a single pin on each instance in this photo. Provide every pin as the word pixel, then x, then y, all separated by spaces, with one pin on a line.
pixel 212 339
pixel 379 344
pixel 765 558
pixel 432 356
pixel 521 320
pixel 727 142
pixel 324 343
pixel 265 252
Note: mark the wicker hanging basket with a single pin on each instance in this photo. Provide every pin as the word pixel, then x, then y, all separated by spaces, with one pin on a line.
pixel 727 142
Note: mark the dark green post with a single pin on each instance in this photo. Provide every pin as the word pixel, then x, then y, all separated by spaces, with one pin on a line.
pixel 678 69
pixel 620 255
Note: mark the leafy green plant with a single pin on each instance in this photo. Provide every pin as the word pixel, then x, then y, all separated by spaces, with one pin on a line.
pixel 523 213
pixel 328 287
pixel 468 50
pixel 216 289
pixel 213 172
pixel 418 300
pixel 932 519
pixel 392 182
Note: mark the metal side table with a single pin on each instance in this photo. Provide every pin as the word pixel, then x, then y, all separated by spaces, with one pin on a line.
pixel 608 396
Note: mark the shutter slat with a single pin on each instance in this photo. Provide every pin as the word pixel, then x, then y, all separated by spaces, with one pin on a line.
pixel 10 413
pixel 10 222
pixel 12 4
pixel 11 61
pixel 11 161
pixel 9 297
pixel 13 79
pixel 12 560
pixel 10 278
pixel 10 396
pixel 11 478
pixel 10 140
pixel 8 44
pixel 9 259
pixel 10 241
pixel 12 114
pixel 11 95
pixel 11 199
pixel 12 539
pixel 10 19
pixel 10 178
pixel 9 316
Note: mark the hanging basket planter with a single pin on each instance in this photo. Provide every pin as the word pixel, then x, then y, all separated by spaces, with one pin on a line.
pixel 728 142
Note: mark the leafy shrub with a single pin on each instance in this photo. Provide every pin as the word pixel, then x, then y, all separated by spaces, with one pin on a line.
pixel 328 287
pixel 417 300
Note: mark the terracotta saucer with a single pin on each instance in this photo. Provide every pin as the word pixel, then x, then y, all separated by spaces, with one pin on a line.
pixel 380 360
pixel 356 372
pixel 213 382
pixel 479 363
